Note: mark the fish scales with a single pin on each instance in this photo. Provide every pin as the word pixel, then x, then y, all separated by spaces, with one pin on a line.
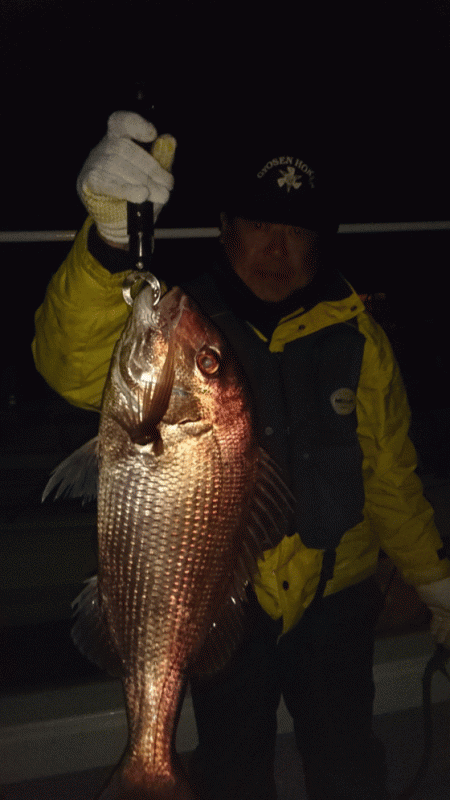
pixel 178 469
pixel 166 550
pixel 142 549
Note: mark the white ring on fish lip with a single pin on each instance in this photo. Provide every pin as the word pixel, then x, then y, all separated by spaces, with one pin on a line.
pixel 149 278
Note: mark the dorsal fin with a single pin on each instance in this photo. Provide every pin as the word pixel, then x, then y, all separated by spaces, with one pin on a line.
pixel 267 521
pixel 269 513
pixel 223 637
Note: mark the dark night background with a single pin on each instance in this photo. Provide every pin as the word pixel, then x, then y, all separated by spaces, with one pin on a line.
pixel 370 78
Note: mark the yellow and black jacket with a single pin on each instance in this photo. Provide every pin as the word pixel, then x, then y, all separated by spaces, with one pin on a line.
pixel 336 416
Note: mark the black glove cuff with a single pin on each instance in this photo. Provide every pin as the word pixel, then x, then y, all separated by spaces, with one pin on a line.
pixel 114 259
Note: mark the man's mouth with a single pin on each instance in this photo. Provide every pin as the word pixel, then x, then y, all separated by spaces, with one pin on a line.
pixel 281 276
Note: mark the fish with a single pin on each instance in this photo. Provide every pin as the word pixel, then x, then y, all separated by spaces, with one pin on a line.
pixel 187 502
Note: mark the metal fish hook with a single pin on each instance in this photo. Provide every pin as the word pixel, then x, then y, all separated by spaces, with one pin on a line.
pixel 149 278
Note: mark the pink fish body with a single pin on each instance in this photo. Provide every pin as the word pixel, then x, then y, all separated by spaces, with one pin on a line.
pixel 184 506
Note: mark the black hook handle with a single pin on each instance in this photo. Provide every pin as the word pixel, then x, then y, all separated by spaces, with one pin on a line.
pixel 140 216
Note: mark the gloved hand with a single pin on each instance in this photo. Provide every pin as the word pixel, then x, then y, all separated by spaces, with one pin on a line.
pixel 118 170
pixel 437 597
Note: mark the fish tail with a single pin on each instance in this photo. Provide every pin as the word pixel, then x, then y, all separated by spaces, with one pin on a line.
pixel 118 787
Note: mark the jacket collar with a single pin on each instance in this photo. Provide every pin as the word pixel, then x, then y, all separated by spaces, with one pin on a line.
pixel 329 298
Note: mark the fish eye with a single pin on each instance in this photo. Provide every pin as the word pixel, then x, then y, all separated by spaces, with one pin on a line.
pixel 208 362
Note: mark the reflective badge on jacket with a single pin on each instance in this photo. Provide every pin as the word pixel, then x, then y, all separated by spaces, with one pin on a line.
pixel 343 401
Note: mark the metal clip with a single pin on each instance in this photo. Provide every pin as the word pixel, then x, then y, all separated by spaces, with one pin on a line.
pixel 132 278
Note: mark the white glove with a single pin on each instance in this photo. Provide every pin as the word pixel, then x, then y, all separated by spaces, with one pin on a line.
pixel 437 597
pixel 119 170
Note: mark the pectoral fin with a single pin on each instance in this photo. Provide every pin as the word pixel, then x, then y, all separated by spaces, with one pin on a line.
pixel 77 475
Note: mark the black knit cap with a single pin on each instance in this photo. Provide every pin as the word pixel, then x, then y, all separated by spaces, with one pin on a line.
pixel 280 182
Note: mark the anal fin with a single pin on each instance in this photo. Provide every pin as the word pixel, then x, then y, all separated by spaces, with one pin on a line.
pixel 89 632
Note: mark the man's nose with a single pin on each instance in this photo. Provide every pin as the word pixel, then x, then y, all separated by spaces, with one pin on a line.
pixel 277 244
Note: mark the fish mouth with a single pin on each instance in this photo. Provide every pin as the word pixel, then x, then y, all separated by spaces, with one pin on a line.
pixel 143 427
pixel 170 310
pixel 150 391
pixel 149 385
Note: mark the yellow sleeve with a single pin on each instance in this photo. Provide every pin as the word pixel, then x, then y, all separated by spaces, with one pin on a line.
pixel 78 324
pixel 396 508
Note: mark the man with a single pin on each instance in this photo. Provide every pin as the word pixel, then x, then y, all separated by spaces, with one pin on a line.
pixel 331 410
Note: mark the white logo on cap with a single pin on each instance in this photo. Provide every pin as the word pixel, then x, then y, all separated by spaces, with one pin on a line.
pixel 289 179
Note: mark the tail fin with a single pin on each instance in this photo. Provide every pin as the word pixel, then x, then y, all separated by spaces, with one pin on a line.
pixel 120 787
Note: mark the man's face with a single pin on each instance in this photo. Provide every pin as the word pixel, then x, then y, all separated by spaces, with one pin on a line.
pixel 272 259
